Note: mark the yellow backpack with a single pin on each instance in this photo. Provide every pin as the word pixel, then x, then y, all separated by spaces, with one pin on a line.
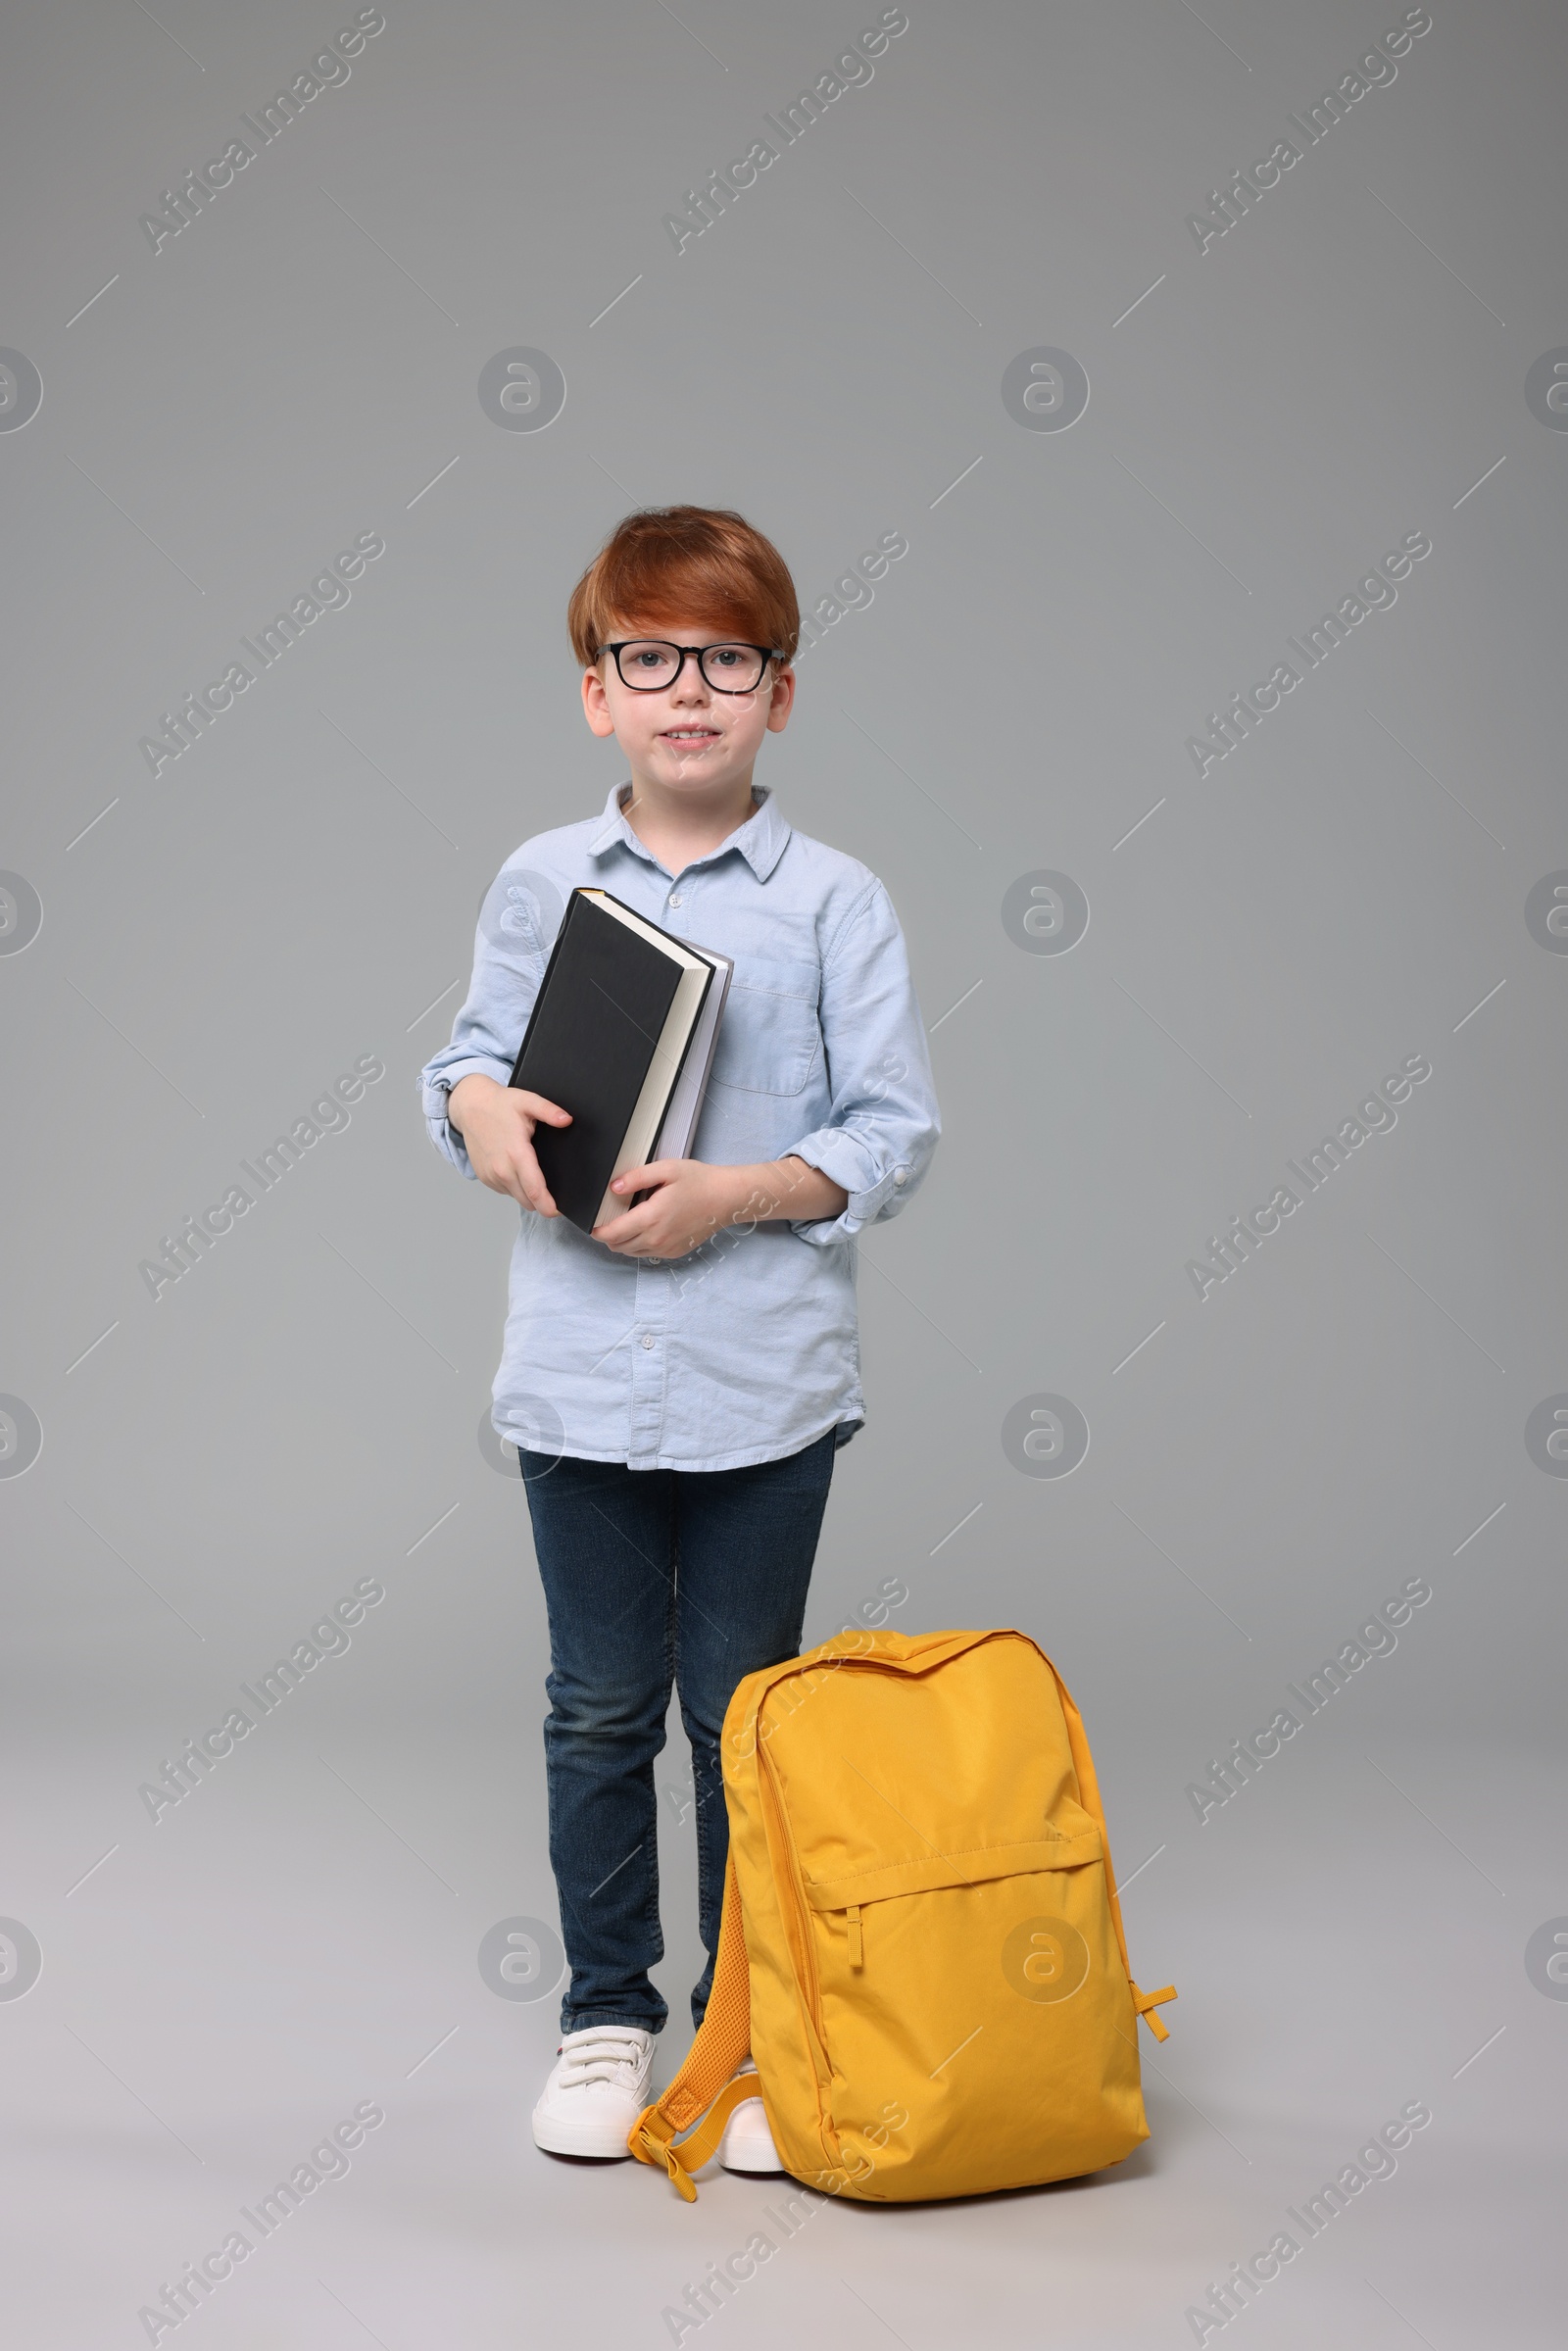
pixel 922 1944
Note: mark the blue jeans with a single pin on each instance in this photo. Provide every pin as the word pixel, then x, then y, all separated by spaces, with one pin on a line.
pixel 653 1579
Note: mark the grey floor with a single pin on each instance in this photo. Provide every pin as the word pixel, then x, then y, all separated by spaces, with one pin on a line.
pixel 302 1936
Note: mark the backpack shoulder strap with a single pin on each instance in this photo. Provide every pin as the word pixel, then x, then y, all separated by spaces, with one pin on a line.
pixel 703 2091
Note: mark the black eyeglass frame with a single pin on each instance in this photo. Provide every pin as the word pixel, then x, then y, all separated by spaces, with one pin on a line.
pixel 769 652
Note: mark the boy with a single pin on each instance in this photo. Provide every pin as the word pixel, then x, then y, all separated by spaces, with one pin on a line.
pixel 678 1383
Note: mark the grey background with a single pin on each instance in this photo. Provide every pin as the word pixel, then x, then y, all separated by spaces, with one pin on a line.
pixel 300 1412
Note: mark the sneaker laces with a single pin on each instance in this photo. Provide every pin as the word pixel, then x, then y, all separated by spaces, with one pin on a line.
pixel 613 2054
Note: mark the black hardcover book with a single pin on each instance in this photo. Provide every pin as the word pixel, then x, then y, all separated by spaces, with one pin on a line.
pixel 609 1032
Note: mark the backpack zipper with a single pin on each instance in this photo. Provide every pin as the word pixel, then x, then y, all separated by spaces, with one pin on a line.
pixel 800 1917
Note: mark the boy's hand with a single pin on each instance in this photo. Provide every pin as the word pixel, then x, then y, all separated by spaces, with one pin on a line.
pixel 690 1201
pixel 497 1124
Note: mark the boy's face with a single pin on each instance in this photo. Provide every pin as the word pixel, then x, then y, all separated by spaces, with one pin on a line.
pixel 686 738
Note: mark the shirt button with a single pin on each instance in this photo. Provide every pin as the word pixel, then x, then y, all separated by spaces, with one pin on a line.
pixel 674 898
pixel 648 1339
pixel 901 1175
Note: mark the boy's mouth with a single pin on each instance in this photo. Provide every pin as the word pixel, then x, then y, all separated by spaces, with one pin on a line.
pixel 689 734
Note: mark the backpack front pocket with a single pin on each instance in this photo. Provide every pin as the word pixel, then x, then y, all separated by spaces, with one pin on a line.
pixel 978 2021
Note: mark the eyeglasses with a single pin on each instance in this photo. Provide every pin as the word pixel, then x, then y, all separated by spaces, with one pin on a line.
pixel 654 665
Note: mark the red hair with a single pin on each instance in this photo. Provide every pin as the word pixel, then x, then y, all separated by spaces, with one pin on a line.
pixel 697 564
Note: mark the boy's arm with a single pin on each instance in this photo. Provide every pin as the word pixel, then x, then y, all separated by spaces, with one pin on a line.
pixel 509 951
pixel 690 1200
pixel 871 1154
pixel 877 1141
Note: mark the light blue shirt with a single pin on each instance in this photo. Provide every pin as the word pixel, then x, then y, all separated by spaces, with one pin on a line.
pixel 747 1347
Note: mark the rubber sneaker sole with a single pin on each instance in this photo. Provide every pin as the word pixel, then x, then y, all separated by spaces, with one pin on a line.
pixel 593 2135
pixel 747 2143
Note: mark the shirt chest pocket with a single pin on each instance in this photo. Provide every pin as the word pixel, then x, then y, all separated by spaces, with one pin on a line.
pixel 768 1036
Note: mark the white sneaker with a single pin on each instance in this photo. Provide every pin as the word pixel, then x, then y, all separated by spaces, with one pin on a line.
pixel 747 2143
pixel 596 2090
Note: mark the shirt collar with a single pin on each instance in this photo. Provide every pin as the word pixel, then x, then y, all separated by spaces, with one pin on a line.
pixel 760 840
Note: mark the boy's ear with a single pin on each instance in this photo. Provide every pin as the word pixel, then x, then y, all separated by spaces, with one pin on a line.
pixel 595 704
pixel 781 702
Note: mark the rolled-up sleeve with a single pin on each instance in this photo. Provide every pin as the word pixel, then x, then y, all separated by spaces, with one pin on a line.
pixel 884 1125
pixel 509 960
